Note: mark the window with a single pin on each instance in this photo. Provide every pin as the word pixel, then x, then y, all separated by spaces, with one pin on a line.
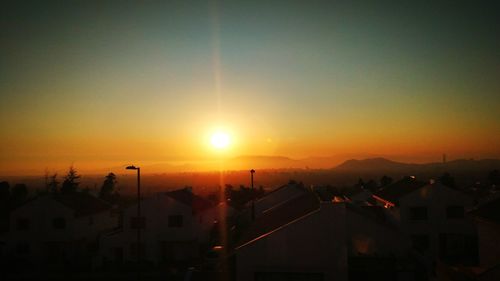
pixel 420 242
pixel 59 223
pixel 23 248
pixel 418 213
pixel 133 249
pixel 22 224
pixel 138 222
pixel 175 221
pixel 455 212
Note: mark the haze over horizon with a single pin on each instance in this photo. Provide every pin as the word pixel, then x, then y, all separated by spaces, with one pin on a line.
pixel 99 85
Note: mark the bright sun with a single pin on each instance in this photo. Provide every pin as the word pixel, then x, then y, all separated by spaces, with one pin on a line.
pixel 220 140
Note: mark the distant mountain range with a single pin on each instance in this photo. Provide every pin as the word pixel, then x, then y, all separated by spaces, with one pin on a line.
pixel 461 168
pixel 334 164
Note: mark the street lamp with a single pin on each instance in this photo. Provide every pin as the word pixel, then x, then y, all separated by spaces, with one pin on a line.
pixel 139 220
pixel 252 171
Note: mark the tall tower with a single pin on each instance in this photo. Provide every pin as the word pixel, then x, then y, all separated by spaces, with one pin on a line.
pixel 444 158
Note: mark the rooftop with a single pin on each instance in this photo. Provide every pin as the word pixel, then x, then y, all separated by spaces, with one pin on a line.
pixel 395 191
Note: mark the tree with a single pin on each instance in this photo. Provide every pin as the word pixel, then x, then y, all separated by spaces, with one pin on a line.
pixel 494 177
pixel 447 180
pixel 4 191
pixel 19 193
pixel 385 181
pixel 371 185
pixel 70 183
pixel 53 184
pixel 108 187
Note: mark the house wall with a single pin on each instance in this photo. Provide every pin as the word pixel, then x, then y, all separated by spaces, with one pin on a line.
pixel 157 237
pixel 51 245
pixel 40 213
pixel 367 237
pixel 313 244
pixel 489 248
pixel 436 198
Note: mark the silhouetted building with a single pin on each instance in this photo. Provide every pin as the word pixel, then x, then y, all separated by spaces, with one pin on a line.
pixel 306 239
pixel 59 230
pixel 433 217
pixel 174 226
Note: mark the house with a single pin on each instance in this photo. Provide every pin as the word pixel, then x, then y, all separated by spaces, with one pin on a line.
pixel 174 225
pixel 433 217
pixel 300 239
pixel 58 229
pixel 487 220
pixel 308 239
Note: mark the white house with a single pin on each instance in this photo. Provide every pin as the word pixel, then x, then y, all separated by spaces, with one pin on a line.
pixel 433 217
pixel 173 227
pixel 306 239
pixel 58 229
pixel 302 239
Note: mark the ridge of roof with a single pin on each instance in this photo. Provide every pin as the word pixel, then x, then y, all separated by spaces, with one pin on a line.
pixel 294 184
pixel 284 214
pixel 396 190
pixel 187 197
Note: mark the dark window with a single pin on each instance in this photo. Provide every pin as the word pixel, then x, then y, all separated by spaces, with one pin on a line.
pixel 23 248
pixel 175 221
pixel 138 222
pixel 23 224
pixel 418 213
pixel 420 242
pixel 455 212
pixel 133 249
pixel 59 223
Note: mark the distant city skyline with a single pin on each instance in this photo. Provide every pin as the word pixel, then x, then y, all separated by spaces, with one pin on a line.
pixel 104 84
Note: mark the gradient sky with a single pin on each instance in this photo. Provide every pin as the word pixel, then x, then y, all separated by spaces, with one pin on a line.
pixel 98 84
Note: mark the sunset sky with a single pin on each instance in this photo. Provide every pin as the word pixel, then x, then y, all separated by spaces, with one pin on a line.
pixel 103 84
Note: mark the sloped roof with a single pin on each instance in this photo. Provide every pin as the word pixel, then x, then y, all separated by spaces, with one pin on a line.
pixel 489 211
pixel 280 216
pixel 82 203
pixel 186 196
pixel 395 191
pixel 373 213
pixel 297 185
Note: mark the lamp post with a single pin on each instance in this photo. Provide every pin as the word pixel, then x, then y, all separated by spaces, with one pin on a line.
pixel 139 220
pixel 252 171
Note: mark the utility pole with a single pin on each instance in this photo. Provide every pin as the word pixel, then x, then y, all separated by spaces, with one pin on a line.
pixel 252 171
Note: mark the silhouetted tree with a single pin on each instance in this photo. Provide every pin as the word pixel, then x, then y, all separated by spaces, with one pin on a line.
pixel 385 180
pixel 4 191
pixel 361 182
pixel 447 180
pixel 70 183
pixel 53 184
pixel 371 185
pixel 19 193
pixel 108 187
pixel 494 177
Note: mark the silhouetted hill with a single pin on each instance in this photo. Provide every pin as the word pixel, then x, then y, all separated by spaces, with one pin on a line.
pixel 464 169
pixel 373 164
